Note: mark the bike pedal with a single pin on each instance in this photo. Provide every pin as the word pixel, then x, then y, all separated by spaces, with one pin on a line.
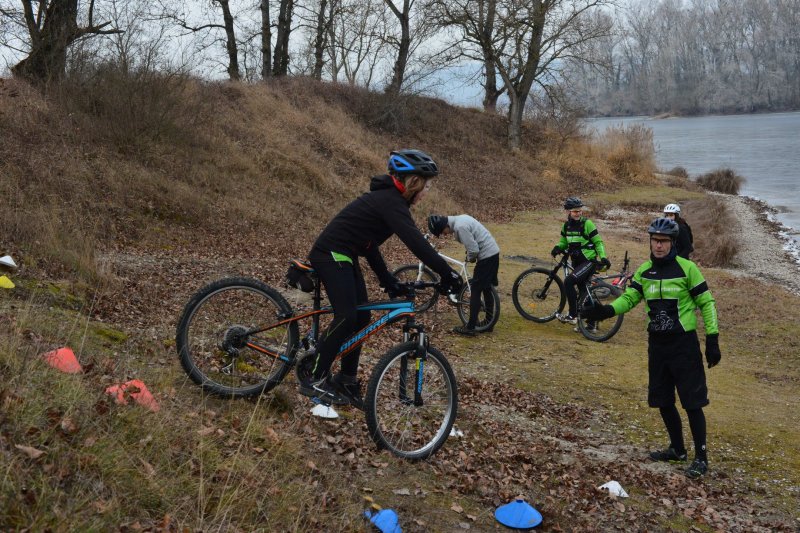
pixel 320 401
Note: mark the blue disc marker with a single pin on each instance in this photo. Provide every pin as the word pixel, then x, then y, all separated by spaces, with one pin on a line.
pixel 518 514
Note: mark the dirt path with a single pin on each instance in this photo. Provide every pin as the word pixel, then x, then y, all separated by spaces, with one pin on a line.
pixel 761 251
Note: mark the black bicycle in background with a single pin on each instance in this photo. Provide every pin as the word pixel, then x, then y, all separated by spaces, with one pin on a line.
pixel 539 295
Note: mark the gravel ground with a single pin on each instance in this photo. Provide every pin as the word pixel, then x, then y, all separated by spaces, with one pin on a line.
pixel 761 249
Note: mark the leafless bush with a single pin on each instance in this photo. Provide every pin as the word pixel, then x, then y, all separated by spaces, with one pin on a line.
pixel 714 230
pixel 723 180
pixel 629 150
pixel 130 107
pixel 678 172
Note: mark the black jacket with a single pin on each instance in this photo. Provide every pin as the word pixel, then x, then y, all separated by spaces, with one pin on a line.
pixel 366 222
pixel 684 241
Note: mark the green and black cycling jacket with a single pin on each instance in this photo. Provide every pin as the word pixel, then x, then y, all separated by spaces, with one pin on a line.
pixel 672 291
pixel 581 237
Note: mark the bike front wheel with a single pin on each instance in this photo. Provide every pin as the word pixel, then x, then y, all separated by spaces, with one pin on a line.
pixel 427 296
pixel 488 312
pixel 538 295
pixel 598 330
pixel 411 424
pixel 219 340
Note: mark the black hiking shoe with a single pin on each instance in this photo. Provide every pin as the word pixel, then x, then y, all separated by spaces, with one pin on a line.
pixel 669 455
pixel 350 388
pixel 465 331
pixel 324 391
pixel 697 469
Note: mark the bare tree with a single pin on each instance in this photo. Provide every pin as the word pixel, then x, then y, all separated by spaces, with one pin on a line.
pixel 474 20
pixel 537 37
pixel 227 26
pixel 280 62
pixel 357 38
pixel 52 27
pixel 266 40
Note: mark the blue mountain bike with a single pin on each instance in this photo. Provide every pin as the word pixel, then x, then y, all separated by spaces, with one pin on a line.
pixel 239 337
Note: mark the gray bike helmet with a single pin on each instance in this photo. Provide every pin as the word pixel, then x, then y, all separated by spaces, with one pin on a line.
pixel 436 224
pixel 664 226
pixel 412 163
pixel 573 202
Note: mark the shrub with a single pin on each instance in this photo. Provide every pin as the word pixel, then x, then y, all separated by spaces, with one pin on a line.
pixel 679 172
pixel 629 151
pixel 714 230
pixel 723 180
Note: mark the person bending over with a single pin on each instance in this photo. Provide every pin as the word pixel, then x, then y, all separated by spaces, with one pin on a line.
pixel 357 231
pixel 482 250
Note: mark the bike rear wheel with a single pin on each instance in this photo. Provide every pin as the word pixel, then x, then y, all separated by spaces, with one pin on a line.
pixel 427 296
pixel 537 296
pixel 216 345
pixel 488 313
pixel 598 330
pixel 394 421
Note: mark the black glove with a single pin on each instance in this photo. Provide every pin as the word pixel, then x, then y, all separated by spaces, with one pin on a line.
pixel 713 354
pixel 555 251
pixel 393 287
pixel 605 264
pixel 451 283
pixel 597 312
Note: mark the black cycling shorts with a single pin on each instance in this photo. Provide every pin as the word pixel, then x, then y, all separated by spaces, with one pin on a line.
pixel 485 273
pixel 676 362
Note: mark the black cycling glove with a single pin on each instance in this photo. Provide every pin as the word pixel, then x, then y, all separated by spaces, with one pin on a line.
pixel 605 263
pixel 597 312
pixel 451 283
pixel 555 251
pixel 713 354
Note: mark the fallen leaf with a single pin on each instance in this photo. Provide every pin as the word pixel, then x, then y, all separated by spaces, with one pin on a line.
pixel 204 432
pixel 457 508
pixel 31 452
pixel 402 492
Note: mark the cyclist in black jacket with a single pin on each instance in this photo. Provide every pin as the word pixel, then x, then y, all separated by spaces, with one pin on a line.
pixel 684 243
pixel 358 231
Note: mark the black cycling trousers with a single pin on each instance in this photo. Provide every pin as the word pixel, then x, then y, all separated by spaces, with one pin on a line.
pixel 582 270
pixel 345 286
pixel 483 278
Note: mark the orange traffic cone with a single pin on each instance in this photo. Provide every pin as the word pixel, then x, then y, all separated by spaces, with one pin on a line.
pixel 63 359
pixel 135 389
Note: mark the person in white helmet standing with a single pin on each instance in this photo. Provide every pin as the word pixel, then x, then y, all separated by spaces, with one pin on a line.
pixel 685 241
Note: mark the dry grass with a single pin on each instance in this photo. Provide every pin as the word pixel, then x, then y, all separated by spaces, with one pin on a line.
pixel 630 152
pixel 153 161
pixel 723 180
pixel 712 223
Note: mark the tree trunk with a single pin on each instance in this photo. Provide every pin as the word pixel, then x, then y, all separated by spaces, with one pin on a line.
pixel 490 92
pixel 266 41
pixel 515 112
pixel 320 41
pixel 230 41
pixel 47 60
pixel 399 72
pixel 280 63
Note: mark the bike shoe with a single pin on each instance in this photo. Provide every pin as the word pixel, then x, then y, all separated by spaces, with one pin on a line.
pixel 669 455
pixel 568 319
pixel 324 391
pixel 697 469
pixel 463 330
pixel 350 388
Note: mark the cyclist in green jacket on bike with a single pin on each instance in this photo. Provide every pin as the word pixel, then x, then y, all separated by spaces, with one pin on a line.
pixel 579 239
pixel 672 288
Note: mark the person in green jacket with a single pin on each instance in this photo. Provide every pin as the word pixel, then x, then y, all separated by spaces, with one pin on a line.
pixel 579 239
pixel 672 288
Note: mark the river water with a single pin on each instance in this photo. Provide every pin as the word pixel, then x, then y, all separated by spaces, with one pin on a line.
pixel 764 149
